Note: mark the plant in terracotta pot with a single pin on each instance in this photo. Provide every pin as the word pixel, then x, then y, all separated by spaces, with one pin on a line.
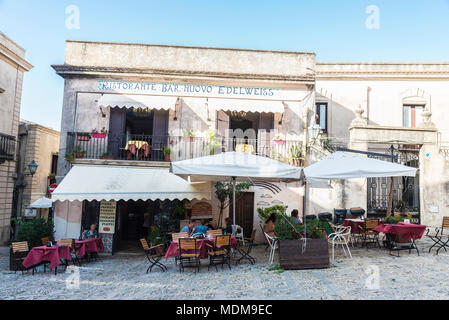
pixel 78 152
pixel 189 135
pixel 166 151
pixel 52 178
pixel 296 156
pixel 83 136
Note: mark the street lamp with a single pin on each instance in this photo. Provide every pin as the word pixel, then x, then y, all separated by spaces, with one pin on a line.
pixel 315 131
pixel 32 166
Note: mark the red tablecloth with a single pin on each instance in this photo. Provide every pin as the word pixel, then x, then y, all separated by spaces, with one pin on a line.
pixel 89 245
pixel 405 231
pixel 52 254
pixel 173 249
pixel 354 224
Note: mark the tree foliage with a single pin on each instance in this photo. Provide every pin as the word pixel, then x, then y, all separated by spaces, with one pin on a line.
pixel 34 230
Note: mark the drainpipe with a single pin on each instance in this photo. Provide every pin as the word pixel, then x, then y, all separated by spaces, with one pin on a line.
pixel 21 170
pixel 368 91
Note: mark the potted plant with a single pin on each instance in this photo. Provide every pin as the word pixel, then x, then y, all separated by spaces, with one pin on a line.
pixel 106 156
pixel 52 178
pixel 83 136
pixel 296 156
pixel 99 135
pixel 189 135
pixel 78 152
pixel 166 151
pixel 279 140
pixel 291 235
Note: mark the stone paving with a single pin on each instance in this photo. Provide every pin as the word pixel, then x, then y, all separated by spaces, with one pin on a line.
pixel 123 276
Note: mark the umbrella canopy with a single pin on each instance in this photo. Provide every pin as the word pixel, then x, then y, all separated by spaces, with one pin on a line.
pixel 224 166
pixel 41 203
pixel 341 165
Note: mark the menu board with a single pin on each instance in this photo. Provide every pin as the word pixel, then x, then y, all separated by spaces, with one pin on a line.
pixel 201 210
pixel 107 217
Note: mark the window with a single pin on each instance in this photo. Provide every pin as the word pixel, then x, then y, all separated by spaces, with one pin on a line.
pixel 321 115
pixel 412 115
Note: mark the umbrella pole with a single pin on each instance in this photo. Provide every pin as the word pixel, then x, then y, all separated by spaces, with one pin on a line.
pixel 233 200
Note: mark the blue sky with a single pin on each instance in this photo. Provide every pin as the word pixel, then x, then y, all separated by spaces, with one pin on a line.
pixel 335 30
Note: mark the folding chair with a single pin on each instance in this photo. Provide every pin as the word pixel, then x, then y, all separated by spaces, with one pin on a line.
pixel 19 252
pixel 220 252
pixel 189 254
pixel 154 255
pixel 175 237
pixel 441 240
pixel 367 235
pixel 246 253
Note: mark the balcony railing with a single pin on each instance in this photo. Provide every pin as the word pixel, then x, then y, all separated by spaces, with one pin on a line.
pixel 7 147
pixel 151 148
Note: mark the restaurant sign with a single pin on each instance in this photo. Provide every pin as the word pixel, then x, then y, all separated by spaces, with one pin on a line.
pixel 107 217
pixel 198 90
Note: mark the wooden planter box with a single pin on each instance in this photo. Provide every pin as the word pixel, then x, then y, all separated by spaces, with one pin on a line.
pixel 316 255
pixel 15 260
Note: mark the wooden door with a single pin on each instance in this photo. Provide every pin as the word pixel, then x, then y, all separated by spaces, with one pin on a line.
pixel 244 212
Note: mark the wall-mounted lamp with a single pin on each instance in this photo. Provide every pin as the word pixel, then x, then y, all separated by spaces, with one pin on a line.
pixel 175 118
pixel 103 114
pixel 2 90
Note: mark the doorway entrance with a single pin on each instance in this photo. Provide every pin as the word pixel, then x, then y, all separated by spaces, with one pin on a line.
pixel 244 212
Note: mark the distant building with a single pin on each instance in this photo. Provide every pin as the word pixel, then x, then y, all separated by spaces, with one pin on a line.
pixel 41 144
pixel 12 67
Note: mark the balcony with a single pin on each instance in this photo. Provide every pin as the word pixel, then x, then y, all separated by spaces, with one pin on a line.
pixel 7 147
pixel 173 148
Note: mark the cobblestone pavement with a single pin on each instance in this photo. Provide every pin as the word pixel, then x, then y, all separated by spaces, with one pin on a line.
pixel 123 276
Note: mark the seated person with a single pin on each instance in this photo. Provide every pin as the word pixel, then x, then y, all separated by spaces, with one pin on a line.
pixel 91 233
pixel 228 229
pixel 295 218
pixel 208 225
pixel 188 228
pixel 200 228
pixel 269 225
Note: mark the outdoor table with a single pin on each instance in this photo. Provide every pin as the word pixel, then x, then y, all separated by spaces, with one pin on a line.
pixel 173 249
pixel 53 254
pixel 403 233
pixel 354 224
pixel 89 245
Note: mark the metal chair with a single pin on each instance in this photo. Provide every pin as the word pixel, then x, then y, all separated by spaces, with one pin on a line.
pixel 189 254
pixel 341 237
pixel 366 233
pixel 245 250
pixel 272 242
pixel 237 231
pixel 440 239
pixel 73 255
pixel 220 252
pixel 154 254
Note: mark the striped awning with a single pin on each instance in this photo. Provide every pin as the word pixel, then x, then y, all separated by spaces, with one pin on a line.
pixel 247 105
pixel 137 101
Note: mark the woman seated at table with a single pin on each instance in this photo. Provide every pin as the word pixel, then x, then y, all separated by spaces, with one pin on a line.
pixel 201 228
pixel 269 225
pixel 91 233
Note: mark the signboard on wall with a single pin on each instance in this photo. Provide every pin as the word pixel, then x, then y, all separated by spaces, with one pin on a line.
pixel 201 209
pixel 107 217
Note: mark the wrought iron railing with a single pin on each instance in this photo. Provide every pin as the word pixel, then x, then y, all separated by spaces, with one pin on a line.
pixel 7 147
pixel 155 148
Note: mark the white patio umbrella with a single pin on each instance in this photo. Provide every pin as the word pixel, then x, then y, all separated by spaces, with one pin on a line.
pixel 235 166
pixel 41 203
pixel 340 165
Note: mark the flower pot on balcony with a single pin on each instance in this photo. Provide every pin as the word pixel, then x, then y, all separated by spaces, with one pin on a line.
pixel 296 162
pixel 99 135
pixel 79 155
pixel 167 158
pixel 83 137
pixel 189 139
pixel 280 142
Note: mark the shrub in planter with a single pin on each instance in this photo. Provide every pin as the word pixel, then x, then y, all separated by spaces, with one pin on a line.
pixel 34 230
pixel 166 151
pixel 99 135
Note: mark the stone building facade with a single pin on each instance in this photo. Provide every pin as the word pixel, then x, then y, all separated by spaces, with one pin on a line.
pixel 41 144
pixel 12 68
pixel 282 96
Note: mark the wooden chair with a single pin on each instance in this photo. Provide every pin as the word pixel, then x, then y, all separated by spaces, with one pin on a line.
pixel 440 239
pixel 19 251
pixel 154 254
pixel 73 255
pixel 220 252
pixel 245 250
pixel 189 254
pixel 176 236
pixel 215 233
pixel 366 233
